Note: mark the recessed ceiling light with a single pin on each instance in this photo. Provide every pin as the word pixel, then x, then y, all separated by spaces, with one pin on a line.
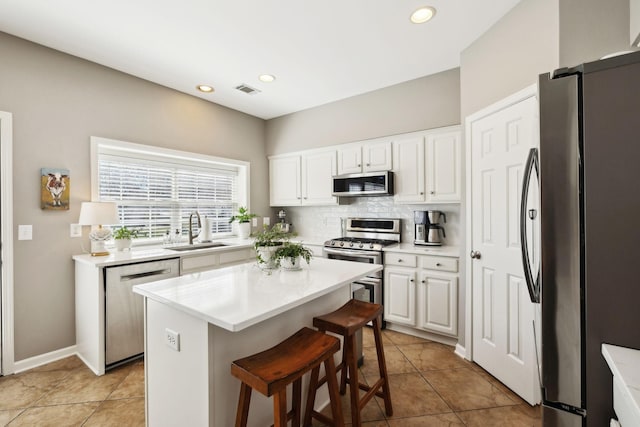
pixel 423 14
pixel 267 78
pixel 205 88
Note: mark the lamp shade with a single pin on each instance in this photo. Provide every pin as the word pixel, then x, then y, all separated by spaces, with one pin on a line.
pixel 98 213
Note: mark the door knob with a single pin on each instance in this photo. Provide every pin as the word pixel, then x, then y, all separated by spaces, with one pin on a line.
pixel 475 254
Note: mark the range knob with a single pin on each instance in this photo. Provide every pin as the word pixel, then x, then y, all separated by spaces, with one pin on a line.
pixel 341 243
pixel 370 245
pixel 332 243
pixel 351 244
pixel 361 245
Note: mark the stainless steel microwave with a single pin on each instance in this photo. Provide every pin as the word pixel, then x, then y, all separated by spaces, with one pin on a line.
pixel 363 184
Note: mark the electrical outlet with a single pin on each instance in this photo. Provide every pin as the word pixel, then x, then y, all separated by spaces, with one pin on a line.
pixel 254 222
pixel 75 230
pixel 172 339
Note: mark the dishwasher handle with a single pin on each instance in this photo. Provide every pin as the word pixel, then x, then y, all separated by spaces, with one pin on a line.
pixel 134 276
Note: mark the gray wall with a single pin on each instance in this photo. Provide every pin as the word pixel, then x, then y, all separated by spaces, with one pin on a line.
pixel 424 103
pixel 58 102
pixel 510 55
pixel 590 29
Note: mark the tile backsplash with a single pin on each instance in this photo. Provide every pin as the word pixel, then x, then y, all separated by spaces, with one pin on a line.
pixel 319 223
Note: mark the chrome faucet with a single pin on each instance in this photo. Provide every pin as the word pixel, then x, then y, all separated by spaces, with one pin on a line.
pixel 190 225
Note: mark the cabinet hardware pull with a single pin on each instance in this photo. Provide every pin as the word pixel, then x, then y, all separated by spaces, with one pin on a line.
pixel 422 281
pixel 432 192
pixel 438 264
pixel 400 260
pixel 368 164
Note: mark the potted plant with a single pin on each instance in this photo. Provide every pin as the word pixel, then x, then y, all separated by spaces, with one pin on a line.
pixel 266 242
pixel 289 255
pixel 123 236
pixel 244 222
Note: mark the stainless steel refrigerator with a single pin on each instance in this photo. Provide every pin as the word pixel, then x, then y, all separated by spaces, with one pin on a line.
pixel 589 287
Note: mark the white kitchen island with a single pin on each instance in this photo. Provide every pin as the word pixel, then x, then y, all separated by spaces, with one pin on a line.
pixel 219 316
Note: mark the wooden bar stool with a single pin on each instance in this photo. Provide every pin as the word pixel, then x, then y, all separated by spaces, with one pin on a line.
pixel 270 371
pixel 345 321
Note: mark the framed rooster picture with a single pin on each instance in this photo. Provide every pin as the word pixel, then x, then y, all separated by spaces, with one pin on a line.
pixel 54 189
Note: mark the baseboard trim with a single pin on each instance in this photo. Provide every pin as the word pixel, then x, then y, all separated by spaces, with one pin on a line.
pixel 450 341
pixel 461 351
pixel 43 359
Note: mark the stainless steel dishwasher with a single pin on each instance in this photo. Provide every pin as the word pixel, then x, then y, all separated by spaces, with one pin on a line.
pixel 124 317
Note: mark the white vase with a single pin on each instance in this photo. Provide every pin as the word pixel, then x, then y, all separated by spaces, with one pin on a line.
pixel 266 258
pixel 122 244
pixel 289 263
pixel 244 230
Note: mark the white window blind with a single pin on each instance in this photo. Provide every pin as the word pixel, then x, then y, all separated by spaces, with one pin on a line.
pixel 156 194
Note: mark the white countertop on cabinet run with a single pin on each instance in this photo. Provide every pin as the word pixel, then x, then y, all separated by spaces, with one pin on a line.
pixel 240 296
pixel 154 253
pixel 449 251
pixel 624 363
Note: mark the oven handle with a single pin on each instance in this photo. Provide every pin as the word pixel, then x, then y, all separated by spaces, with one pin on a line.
pixel 368 254
pixel 369 281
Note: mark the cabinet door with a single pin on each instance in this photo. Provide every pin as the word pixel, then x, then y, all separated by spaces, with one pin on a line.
pixel 376 156
pixel 350 159
pixel 443 167
pixel 318 170
pixel 400 296
pixel 284 181
pixel 409 170
pixel 438 303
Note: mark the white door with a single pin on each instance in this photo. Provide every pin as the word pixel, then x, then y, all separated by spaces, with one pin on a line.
pixel 376 156
pixel 284 181
pixel 350 159
pixel 503 339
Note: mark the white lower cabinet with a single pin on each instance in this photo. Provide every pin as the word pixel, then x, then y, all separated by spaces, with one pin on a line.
pixel 421 292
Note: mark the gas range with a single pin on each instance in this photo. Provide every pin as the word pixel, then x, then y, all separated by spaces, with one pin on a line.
pixel 370 234
pixel 359 243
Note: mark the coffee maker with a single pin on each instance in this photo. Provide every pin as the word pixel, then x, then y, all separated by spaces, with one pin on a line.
pixel 428 228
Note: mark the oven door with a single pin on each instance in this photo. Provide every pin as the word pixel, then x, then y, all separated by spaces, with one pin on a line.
pixel 369 257
pixel 367 289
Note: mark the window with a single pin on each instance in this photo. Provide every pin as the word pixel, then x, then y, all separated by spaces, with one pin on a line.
pixel 157 189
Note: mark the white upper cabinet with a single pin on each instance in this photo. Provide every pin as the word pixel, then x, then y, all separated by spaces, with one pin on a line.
pixel 365 157
pixel 428 166
pixel 443 167
pixel 318 169
pixel 303 179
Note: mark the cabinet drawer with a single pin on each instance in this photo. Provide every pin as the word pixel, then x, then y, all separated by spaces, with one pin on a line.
pixel 440 263
pixel 403 260
pixel 235 256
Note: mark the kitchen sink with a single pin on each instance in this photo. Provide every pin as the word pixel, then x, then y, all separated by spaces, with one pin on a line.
pixel 196 246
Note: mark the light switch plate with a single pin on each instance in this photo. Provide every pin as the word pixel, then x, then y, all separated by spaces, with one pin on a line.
pixel 254 222
pixel 75 230
pixel 266 220
pixel 25 232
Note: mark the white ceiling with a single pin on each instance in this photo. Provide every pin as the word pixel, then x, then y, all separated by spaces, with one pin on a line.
pixel 319 51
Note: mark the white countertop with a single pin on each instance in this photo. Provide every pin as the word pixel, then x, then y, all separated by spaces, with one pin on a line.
pixel 237 297
pixel 448 251
pixel 153 253
pixel 625 366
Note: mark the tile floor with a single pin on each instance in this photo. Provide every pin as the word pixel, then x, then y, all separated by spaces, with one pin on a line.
pixel 430 386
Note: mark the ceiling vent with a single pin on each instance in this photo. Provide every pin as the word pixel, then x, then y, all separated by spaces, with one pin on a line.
pixel 247 89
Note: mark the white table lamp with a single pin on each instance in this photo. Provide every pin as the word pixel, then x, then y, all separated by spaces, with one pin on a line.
pixel 99 214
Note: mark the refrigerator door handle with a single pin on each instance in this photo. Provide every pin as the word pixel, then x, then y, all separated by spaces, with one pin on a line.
pixel 532 285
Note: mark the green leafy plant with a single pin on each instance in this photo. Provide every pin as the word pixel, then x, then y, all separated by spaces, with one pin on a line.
pixel 292 251
pixel 269 238
pixel 273 236
pixel 125 233
pixel 243 215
